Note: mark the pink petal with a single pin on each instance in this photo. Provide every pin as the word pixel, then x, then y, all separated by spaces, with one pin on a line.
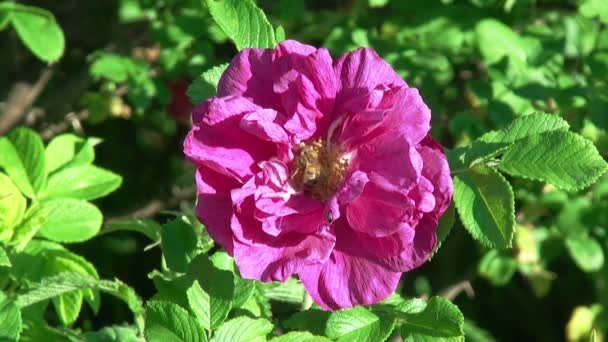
pixel 364 69
pixel 352 187
pixel 265 124
pixel 350 276
pixel 410 116
pixel 214 207
pixel 249 75
pixel 275 196
pixel 292 47
pixel 217 110
pixel 267 258
pixel 379 213
pixel 418 251
pixel 318 69
pixel 217 141
pixel 304 223
pixel 383 110
pixel 437 171
pixel 390 162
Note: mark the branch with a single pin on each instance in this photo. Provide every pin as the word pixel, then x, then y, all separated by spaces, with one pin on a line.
pixel 157 205
pixel 72 119
pixel 451 292
pixel 21 97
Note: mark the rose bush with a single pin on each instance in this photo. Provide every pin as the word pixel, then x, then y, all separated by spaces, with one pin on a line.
pixel 319 168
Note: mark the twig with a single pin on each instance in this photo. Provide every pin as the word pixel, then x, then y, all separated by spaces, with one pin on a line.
pixel 21 97
pixel 451 292
pixel 157 205
pixel 72 119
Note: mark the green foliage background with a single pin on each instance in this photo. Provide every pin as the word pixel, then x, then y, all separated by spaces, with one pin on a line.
pixel 525 264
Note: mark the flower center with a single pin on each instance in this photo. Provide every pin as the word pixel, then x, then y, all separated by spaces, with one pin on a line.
pixel 318 169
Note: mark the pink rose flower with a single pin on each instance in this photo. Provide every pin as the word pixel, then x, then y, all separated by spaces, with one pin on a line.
pixel 319 168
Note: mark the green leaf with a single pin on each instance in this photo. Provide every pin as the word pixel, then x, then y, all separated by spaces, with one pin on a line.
pixel 359 324
pixel 205 86
pixel 209 311
pixel 112 334
pixel 67 307
pixel 410 306
pixel 67 282
pixel 484 201
pixel 446 222
pixel 581 35
pixel 243 288
pixel 178 242
pixel 4 260
pixel 69 220
pixel 147 227
pixel 299 336
pixel 313 320
pixel 586 252
pixel 477 152
pixel 5 14
pixel 85 182
pixel 117 68
pixel 593 8
pixel 526 126
pixel 378 3
pixel 257 305
pixel 33 220
pixel 35 330
pixel 243 329
pixel 39 31
pixel 290 291
pixel 12 207
pixel 474 333
pixel 58 261
pixel 512 46
pixel 563 159
pixel 243 22
pixel 22 157
pixel 219 284
pixel 497 267
pixel 10 319
pixel 28 264
pixel 166 321
pixel 200 304
pixel 439 321
pixel 68 150
pixel 279 34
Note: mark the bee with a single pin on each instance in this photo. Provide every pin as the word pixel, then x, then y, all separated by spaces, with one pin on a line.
pixel 317 171
pixel 311 176
pixel 309 171
pixel 330 217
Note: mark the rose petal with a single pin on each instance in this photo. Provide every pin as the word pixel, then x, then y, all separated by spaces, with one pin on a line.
pixel 214 207
pixel 217 142
pixel 410 116
pixel 379 213
pixel 364 69
pixel 418 251
pixel 268 258
pixel 350 276
pixel 249 74
pixel 390 162
pixel 265 124
pixel 437 171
